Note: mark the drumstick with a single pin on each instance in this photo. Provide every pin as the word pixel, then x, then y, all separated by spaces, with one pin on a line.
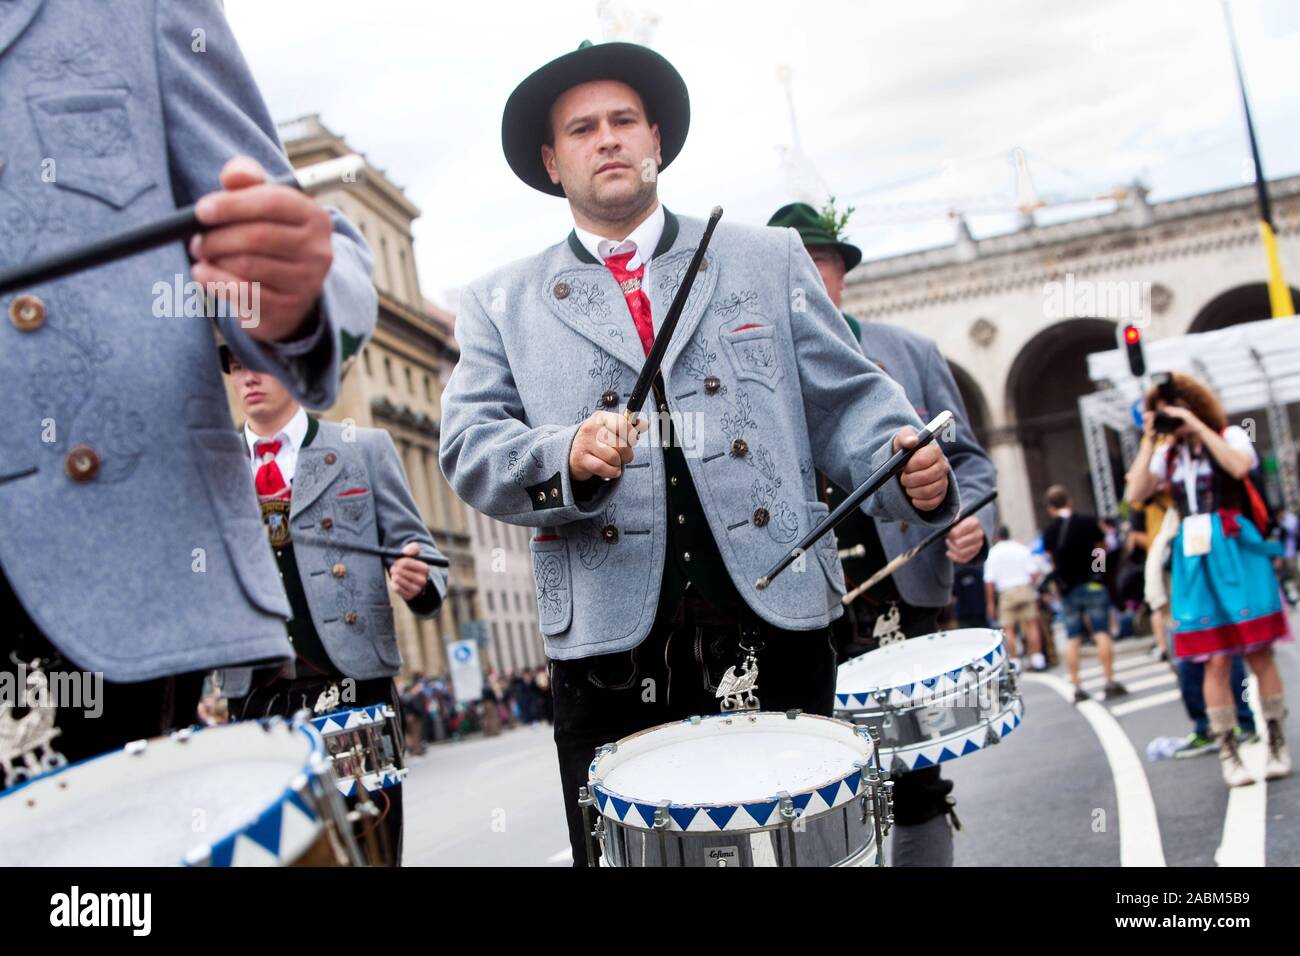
pixel 890 469
pixel 916 549
pixel 174 227
pixel 660 345
pixel 394 553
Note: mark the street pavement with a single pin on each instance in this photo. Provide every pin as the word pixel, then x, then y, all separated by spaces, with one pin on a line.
pixel 1072 786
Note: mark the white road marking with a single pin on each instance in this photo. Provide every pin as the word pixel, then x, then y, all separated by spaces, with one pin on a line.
pixel 1142 703
pixel 1127 674
pixel 1125 662
pixel 565 855
pixel 1245 822
pixel 1139 828
pixel 1159 680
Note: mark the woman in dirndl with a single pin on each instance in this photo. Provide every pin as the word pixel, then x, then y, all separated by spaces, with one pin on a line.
pixel 1225 596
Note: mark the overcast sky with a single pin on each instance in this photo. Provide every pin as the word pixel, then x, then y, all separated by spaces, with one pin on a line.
pixel 903 109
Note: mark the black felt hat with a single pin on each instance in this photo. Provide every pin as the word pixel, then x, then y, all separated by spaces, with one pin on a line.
pixel 525 124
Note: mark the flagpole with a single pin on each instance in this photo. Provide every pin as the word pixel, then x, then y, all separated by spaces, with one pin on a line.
pixel 1279 293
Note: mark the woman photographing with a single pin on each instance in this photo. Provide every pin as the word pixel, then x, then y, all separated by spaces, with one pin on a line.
pixel 1225 597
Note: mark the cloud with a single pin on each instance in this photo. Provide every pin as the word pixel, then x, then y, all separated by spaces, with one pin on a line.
pixel 934 95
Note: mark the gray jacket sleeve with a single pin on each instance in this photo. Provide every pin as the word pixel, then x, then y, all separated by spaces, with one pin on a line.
pixel 214 111
pixel 971 464
pixel 399 521
pixel 492 458
pixel 852 407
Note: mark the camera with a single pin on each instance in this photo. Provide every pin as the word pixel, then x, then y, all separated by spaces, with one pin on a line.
pixel 1165 424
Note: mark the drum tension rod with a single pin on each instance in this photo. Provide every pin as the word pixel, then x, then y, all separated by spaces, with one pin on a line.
pixel 586 801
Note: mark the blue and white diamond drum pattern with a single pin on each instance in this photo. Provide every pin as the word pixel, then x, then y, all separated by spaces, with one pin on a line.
pixel 254 793
pixel 364 745
pixel 745 789
pixel 932 698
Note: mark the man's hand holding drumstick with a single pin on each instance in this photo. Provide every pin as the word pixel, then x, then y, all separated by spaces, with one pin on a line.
pixel 270 234
pixel 603 445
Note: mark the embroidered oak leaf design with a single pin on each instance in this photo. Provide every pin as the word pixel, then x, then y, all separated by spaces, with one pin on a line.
pixel 698 359
pixel 784 523
pixel 766 465
pixel 606 369
pixel 758 357
pixel 734 304
pixel 118 435
pixel 549 577
pixel 740 419
pixel 593 549
pixel 587 299
pixel 81 55
pixel 669 279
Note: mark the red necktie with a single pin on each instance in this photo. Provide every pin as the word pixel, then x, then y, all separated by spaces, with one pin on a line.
pixel 638 303
pixel 269 481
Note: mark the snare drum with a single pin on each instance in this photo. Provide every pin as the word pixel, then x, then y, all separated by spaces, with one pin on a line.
pixel 932 698
pixel 256 793
pixel 743 789
pixel 365 745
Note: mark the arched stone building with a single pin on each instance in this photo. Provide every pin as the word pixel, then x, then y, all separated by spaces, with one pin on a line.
pixel 1017 314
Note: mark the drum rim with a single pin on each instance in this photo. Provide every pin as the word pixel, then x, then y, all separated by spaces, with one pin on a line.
pixel 917 691
pixel 1003 723
pixel 201 854
pixel 372 714
pixel 693 812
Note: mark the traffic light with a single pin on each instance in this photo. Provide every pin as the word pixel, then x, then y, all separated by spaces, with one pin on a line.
pixel 1137 363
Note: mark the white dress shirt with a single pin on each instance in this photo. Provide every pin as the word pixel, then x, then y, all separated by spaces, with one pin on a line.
pixel 641 242
pixel 290 438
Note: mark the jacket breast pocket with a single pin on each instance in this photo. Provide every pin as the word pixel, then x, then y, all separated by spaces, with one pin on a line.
pixel 553 581
pixel 89 136
pixel 827 548
pixel 753 354
pixel 354 510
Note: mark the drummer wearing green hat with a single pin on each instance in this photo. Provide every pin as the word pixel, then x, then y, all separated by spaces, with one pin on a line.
pixel 910 601
pixel 645 552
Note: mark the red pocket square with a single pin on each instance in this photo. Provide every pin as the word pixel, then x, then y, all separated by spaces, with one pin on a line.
pixel 353 491
pixel 752 325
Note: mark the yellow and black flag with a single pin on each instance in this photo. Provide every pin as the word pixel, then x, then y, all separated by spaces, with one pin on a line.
pixel 1279 293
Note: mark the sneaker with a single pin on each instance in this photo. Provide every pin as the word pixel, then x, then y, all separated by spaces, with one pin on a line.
pixel 1080 695
pixel 1037 663
pixel 1198 744
pixel 1278 764
pixel 1114 689
pixel 1235 773
pixel 1156 653
pixel 1247 736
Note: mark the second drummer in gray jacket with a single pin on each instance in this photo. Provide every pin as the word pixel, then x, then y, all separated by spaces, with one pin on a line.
pixel 909 602
pixel 326 490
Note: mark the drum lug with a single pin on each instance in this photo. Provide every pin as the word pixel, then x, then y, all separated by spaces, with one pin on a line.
pixel 785 807
pixel 590 830
pixel 991 737
pixel 793 714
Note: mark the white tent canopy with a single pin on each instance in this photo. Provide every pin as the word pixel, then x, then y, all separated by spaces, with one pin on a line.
pixel 1251 366
pixel 1241 363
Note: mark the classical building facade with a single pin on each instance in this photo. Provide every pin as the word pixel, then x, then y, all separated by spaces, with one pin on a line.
pixel 1016 315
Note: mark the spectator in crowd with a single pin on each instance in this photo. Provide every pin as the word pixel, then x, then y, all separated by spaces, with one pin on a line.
pixel 1011 596
pixel 491 704
pixel 1076 544
pixel 1225 597
pixel 546 707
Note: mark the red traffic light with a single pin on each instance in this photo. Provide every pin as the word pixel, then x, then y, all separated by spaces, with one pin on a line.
pixel 1137 363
